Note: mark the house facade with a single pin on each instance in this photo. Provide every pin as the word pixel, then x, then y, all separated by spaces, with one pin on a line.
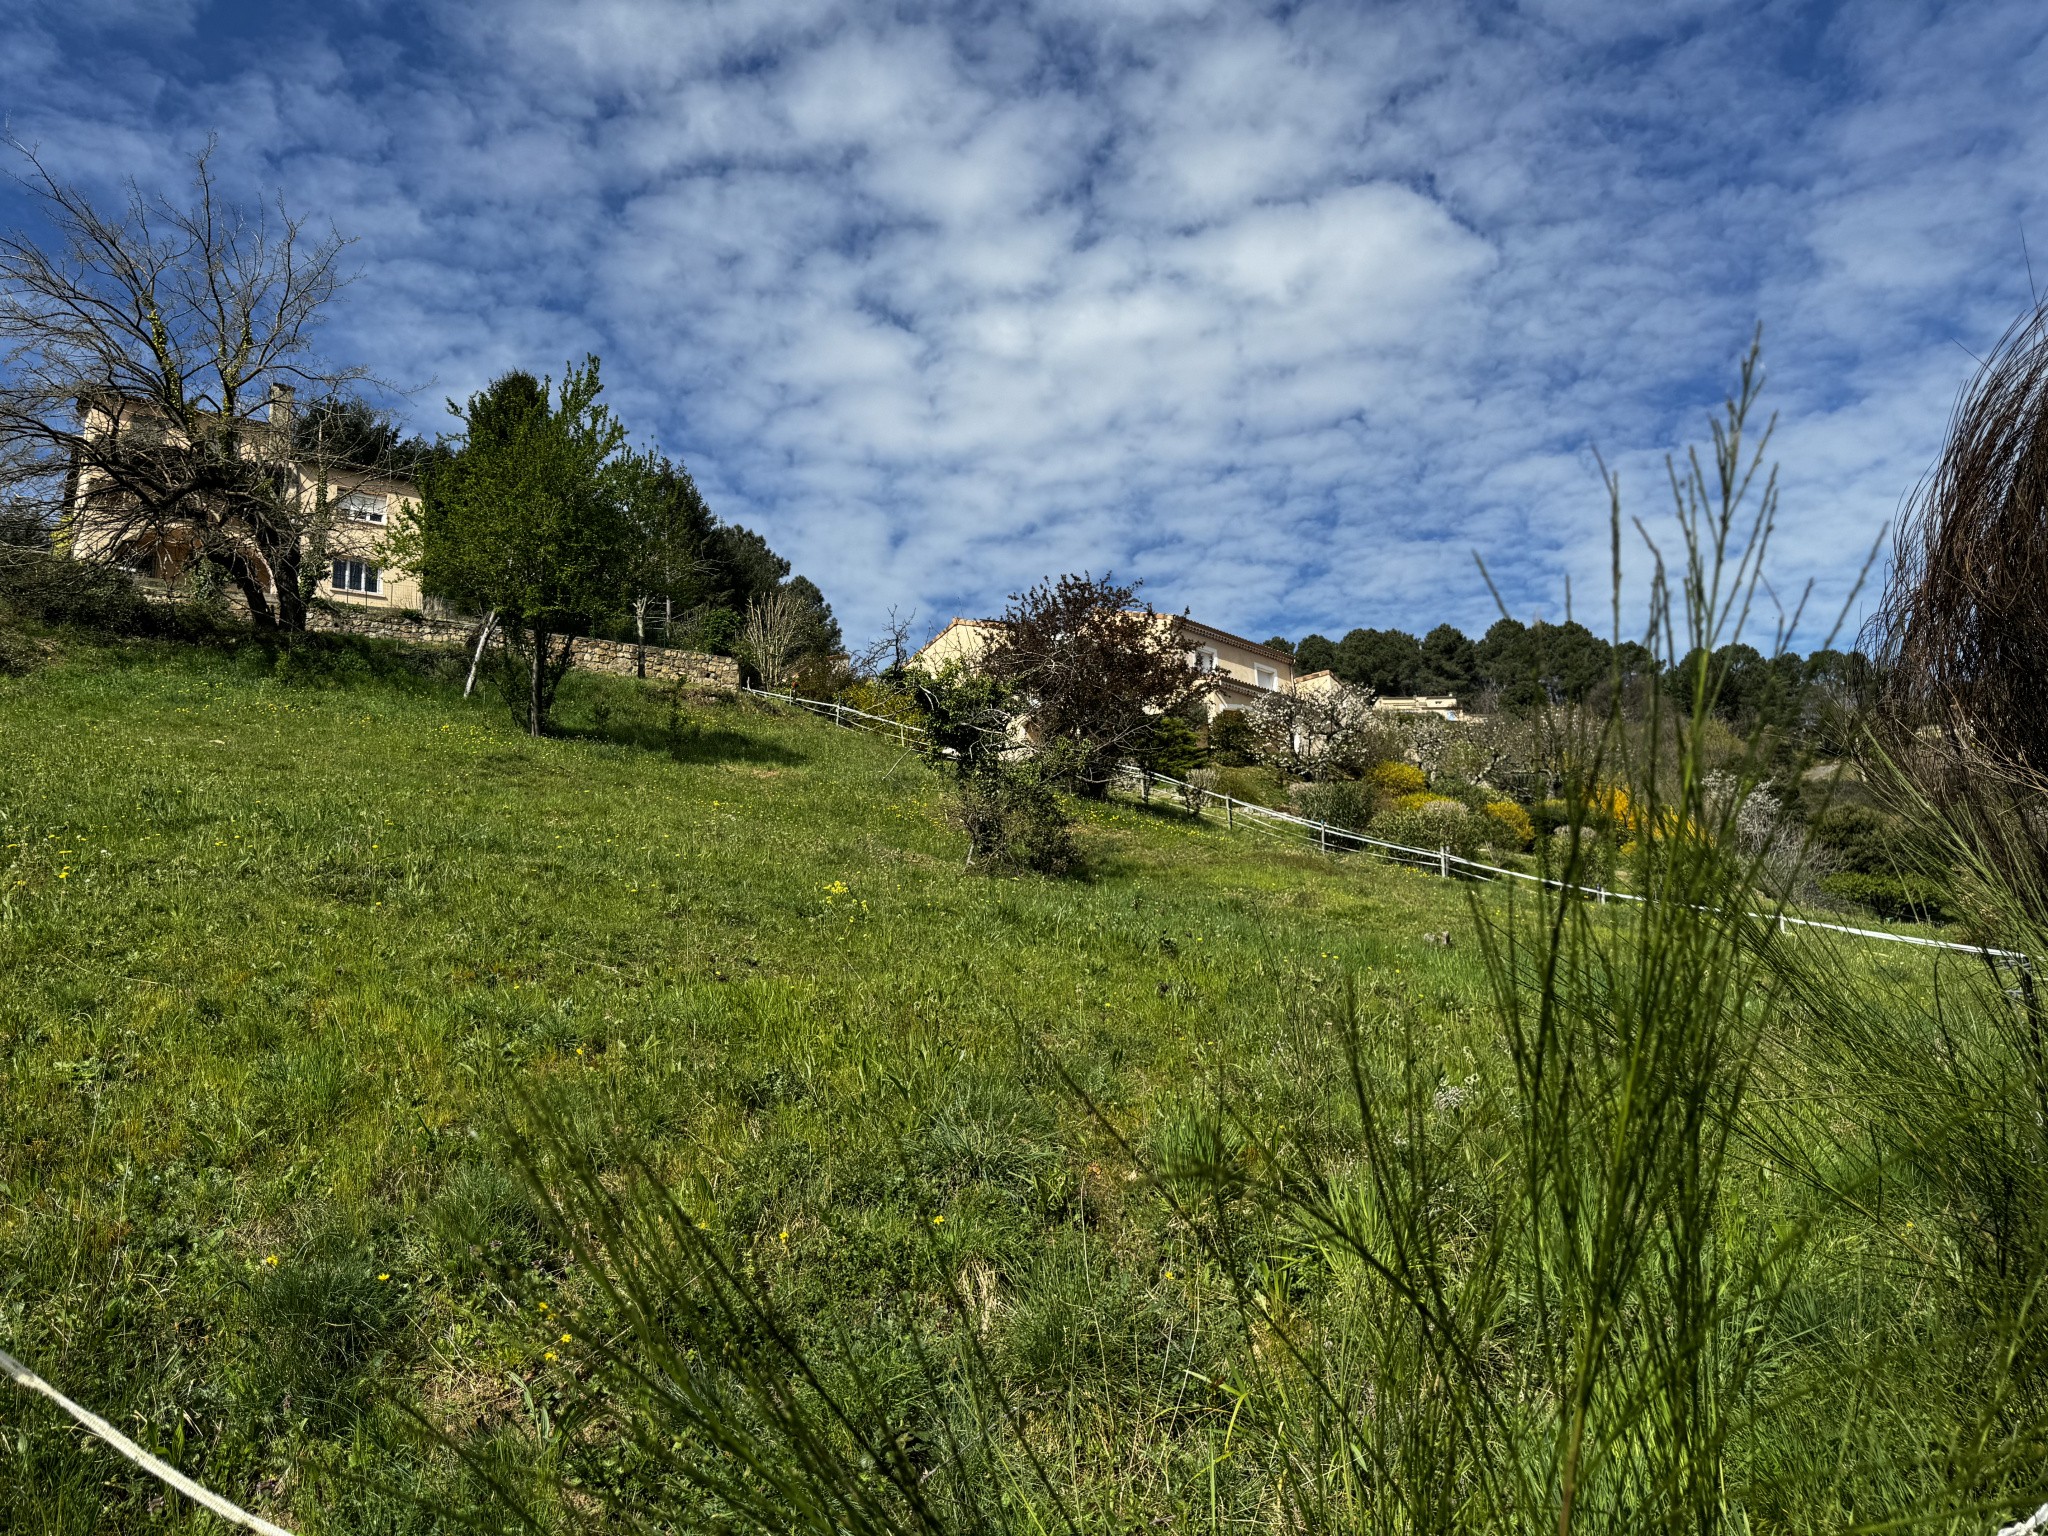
pixel 1241 671
pixel 352 511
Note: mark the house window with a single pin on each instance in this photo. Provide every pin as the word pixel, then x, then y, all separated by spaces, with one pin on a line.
pixel 356 576
pixel 1205 660
pixel 362 507
pixel 1266 678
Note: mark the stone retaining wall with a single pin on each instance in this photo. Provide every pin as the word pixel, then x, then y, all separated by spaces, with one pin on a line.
pixel 615 656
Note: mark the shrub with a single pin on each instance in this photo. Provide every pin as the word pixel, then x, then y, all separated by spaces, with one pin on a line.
pixel 1171 747
pixel 1395 778
pixel 47 588
pixel 1896 898
pixel 1511 824
pixel 1013 816
pixel 1232 741
pixel 1549 815
pixel 17 654
pixel 891 701
pixel 1254 786
pixel 823 678
pixel 1421 799
pixel 1862 840
pixel 1436 823
pixel 1347 803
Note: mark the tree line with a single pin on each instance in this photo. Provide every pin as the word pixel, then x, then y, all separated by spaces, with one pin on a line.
pixel 1516 666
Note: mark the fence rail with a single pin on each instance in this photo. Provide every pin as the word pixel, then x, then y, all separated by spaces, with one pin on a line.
pixel 155 1466
pixel 1329 838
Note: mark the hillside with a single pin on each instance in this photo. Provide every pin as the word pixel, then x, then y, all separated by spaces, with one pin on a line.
pixel 283 944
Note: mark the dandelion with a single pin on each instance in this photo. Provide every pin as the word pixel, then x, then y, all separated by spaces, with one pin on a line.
pixel 938 1221
pixel 785 1234
pixel 382 1278
pixel 565 1338
pixel 270 1259
pixel 550 1355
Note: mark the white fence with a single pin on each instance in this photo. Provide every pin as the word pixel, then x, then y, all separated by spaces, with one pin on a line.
pixel 1334 839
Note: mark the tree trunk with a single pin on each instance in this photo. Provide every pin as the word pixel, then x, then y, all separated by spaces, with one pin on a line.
pixel 536 699
pixel 291 602
pixel 243 576
pixel 483 638
pixel 640 637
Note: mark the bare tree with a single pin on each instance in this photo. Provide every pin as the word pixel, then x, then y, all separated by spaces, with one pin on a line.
pixel 149 361
pixel 769 637
pixel 889 652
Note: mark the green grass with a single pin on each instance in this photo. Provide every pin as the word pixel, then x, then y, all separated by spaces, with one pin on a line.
pixel 281 946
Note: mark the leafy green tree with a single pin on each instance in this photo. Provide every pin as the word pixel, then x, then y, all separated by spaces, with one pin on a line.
pixel 1387 661
pixel 531 519
pixel 1450 663
pixel 817 630
pixel 1316 653
pixel 1508 666
pixel 1173 747
pixel 673 570
pixel 747 569
pixel 1571 661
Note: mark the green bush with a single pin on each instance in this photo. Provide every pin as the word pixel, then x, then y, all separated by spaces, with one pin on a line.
pixel 1348 803
pixel 1172 747
pixel 1896 898
pixel 1014 818
pixel 1863 840
pixel 1254 786
pixel 1232 741
pixel 1439 824
pixel 47 588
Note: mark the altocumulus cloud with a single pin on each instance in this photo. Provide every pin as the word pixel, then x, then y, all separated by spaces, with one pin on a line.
pixel 1288 310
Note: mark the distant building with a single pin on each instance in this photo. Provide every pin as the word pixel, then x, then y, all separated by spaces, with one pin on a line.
pixel 363 505
pixel 1242 670
pixel 1317 684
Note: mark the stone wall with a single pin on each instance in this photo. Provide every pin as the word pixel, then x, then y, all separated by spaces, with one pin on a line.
pixel 615 656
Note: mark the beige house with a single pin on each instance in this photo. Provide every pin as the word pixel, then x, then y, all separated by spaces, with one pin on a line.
pixel 358 568
pixel 354 511
pixel 1241 670
pixel 1322 684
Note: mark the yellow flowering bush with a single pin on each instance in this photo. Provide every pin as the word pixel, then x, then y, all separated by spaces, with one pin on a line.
pixel 1513 822
pixel 1396 778
pixel 1422 798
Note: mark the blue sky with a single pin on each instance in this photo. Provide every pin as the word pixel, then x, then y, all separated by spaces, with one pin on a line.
pixel 1288 310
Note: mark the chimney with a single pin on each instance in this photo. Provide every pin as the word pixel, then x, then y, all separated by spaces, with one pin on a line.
pixel 281 396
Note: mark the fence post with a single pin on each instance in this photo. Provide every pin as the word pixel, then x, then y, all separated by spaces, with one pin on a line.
pixel 1229 812
pixel 1443 861
pixel 1145 785
pixel 1323 836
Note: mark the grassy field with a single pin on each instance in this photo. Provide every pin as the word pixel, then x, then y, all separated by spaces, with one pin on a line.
pixel 282 943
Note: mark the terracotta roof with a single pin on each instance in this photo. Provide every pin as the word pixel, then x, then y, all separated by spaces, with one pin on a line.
pixel 1250 645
